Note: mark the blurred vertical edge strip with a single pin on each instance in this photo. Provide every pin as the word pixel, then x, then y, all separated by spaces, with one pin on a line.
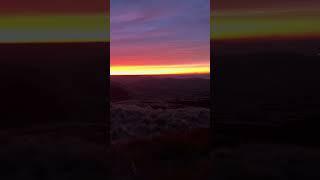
pixel 212 78
pixel 54 93
pixel 52 82
pixel 108 124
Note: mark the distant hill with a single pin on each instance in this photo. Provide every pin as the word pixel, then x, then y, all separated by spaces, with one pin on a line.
pixel 164 87
pixel 118 92
pixel 171 87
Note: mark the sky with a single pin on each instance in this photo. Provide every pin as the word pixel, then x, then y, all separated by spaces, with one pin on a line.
pixel 232 19
pixel 35 21
pixel 159 37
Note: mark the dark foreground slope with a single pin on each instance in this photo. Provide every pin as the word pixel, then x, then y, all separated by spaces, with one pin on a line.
pixel 53 153
pixel 39 155
pixel 170 156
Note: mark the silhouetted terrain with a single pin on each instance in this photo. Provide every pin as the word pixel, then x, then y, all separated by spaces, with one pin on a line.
pixel 147 106
pixel 169 156
pixel 153 87
pixel 118 93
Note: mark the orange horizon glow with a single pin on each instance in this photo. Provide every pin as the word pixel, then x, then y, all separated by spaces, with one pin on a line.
pixel 160 69
pixel 159 38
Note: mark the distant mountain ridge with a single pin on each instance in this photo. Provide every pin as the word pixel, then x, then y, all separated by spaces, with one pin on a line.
pixel 118 92
pixel 164 87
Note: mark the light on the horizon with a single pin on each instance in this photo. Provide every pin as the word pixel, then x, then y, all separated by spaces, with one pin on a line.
pixel 160 70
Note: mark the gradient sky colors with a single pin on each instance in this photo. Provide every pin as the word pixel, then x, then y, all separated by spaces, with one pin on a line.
pixel 37 21
pixel 160 37
pixel 260 19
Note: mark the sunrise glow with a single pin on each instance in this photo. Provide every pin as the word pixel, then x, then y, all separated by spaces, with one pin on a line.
pixel 159 37
pixel 160 70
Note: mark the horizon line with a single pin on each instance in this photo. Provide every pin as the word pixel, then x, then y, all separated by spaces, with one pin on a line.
pixel 160 69
pixel 161 74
